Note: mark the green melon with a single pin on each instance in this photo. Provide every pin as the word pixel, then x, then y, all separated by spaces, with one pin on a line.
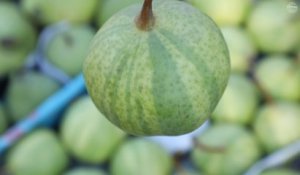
pixel 85 171
pixel 225 149
pixel 162 76
pixel 239 102
pixel 279 76
pixel 110 7
pixel 39 153
pixel 26 91
pixel 17 38
pixel 68 49
pixel 87 134
pixel 140 156
pixel 277 125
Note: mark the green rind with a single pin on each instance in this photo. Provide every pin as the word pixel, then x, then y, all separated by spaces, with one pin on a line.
pixel 165 81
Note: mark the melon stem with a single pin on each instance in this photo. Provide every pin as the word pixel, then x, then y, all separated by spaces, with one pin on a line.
pixel 145 21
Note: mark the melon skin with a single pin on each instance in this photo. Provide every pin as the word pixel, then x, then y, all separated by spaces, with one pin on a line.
pixel 140 156
pixel 165 81
pixel 280 172
pixel 39 153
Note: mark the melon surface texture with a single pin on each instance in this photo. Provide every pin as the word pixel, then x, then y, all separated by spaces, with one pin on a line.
pixel 157 75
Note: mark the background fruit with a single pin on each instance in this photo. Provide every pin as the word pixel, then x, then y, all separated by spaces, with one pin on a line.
pixel 38 153
pixel 52 11
pixel 68 49
pixel 242 50
pixel 137 78
pixel 26 91
pixel 17 38
pixel 239 102
pixel 273 27
pixel 140 156
pixel 87 133
pixel 225 13
pixel 279 76
pixel 110 7
pixel 85 171
pixel 280 120
pixel 233 150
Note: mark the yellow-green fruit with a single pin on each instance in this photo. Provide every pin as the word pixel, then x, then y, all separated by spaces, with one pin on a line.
pixel 273 27
pixel 277 125
pixel 68 49
pixel 39 153
pixel 242 50
pixel 110 7
pixel 225 149
pixel 239 102
pixel 26 91
pixel 140 156
pixel 279 76
pixel 161 79
pixel 51 11
pixel 87 134
pixel 17 38
pixel 225 13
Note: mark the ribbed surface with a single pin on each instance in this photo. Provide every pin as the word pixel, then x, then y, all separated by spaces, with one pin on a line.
pixel 165 81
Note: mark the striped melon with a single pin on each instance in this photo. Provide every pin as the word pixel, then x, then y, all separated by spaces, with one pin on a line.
pixel 160 74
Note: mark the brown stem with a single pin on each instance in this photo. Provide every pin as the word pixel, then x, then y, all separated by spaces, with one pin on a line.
pixel 145 21
pixel 207 148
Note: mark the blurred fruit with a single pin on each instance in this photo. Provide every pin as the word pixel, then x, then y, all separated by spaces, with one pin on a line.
pixel 3 118
pixel 239 102
pixel 140 156
pixel 186 172
pixel 87 134
pixel 225 149
pixel 280 172
pixel 164 79
pixel 110 7
pixel 277 124
pixel 52 11
pixel 85 171
pixel 279 76
pixel 68 49
pixel 224 13
pixel 273 27
pixel 242 50
pixel 39 153
pixel 17 38
pixel 26 91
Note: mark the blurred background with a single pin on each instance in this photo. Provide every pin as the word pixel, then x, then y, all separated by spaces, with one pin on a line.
pixel 49 126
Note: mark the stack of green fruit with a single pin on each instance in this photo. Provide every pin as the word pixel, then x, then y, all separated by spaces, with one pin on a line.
pixel 258 113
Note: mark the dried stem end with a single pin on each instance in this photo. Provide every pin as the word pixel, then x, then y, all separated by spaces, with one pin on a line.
pixel 145 21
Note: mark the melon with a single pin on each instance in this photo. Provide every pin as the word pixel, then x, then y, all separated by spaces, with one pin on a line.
pixel 39 153
pixel 140 156
pixel 239 102
pixel 277 125
pixel 87 134
pixel 158 72
pixel 225 149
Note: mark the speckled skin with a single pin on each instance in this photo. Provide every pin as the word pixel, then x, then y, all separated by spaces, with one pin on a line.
pixel 165 81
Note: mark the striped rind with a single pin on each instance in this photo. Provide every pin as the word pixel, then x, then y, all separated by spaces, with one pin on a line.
pixel 165 81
